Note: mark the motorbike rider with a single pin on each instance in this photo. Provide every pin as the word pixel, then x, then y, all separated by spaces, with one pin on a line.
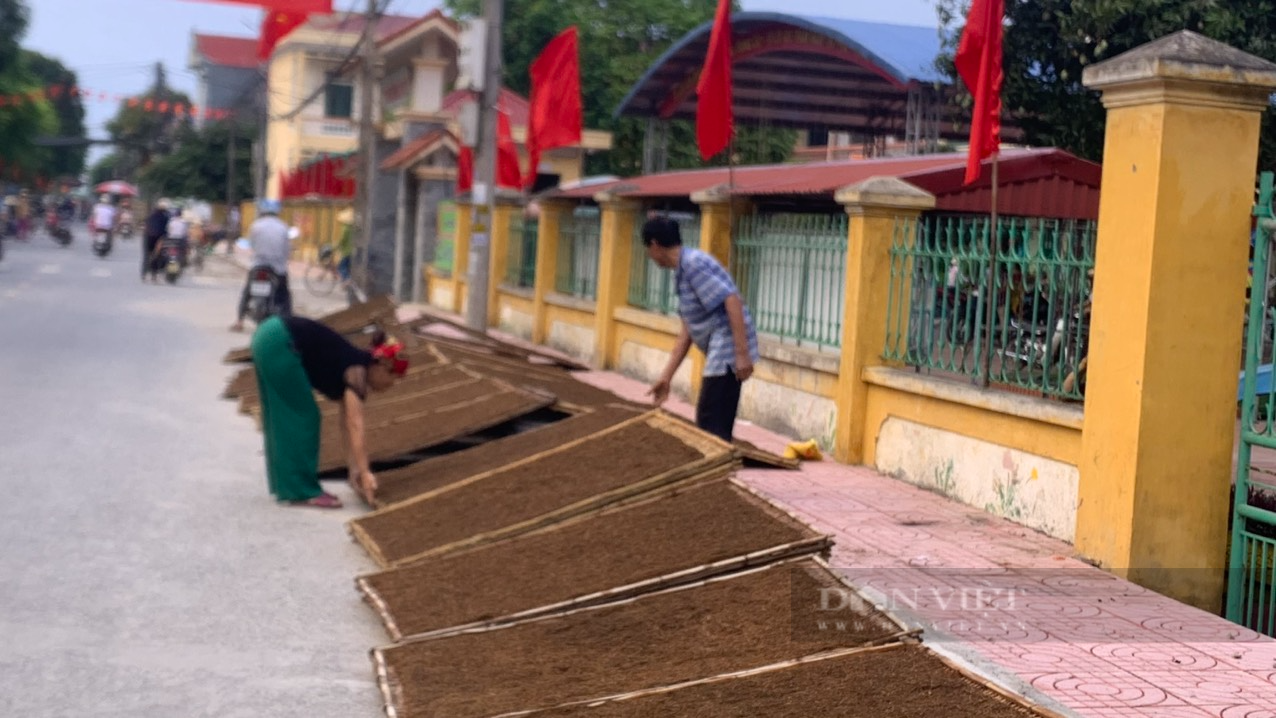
pixel 271 240
pixel 103 217
pixel 178 230
pixel 156 229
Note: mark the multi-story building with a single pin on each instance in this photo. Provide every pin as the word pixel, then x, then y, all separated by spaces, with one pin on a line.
pixel 230 75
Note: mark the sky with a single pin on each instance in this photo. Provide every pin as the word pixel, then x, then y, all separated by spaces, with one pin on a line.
pixel 114 45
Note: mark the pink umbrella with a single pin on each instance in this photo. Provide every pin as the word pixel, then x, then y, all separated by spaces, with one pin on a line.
pixel 116 187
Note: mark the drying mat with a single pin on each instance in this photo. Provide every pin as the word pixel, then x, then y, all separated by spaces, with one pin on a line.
pixel 733 623
pixel 573 394
pixel 429 316
pixel 410 481
pixel 899 680
pixel 351 320
pixel 672 538
pixel 424 361
pixel 759 458
pixel 643 454
pixel 429 418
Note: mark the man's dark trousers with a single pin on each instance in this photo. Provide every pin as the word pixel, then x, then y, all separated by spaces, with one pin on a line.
pixel 719 400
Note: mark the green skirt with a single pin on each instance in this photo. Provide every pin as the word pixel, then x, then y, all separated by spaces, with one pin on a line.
pixel 290 419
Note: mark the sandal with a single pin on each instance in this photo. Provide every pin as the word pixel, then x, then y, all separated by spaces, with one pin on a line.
pixel 322 501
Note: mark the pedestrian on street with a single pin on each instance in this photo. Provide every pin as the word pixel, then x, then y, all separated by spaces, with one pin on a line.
pixel 714 318
pixel 156 227
pixel 295 357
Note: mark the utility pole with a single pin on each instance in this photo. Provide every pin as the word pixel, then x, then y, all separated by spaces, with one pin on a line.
pixel 230 164
pixel 485 171
pixel 368 146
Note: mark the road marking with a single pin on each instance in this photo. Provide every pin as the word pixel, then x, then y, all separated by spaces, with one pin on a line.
pixel 50 269
pixel 11 294
pixel 204 282
pixel 99 272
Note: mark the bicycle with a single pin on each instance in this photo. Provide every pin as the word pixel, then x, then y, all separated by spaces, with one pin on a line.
pixel 323 277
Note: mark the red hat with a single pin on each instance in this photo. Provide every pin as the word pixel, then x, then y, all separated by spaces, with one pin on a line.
pixel 393 351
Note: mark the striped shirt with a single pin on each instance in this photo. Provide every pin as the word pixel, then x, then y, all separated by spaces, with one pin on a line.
pixel 703 288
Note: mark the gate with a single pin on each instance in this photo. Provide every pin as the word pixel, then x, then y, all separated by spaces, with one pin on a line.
pixel 1251 582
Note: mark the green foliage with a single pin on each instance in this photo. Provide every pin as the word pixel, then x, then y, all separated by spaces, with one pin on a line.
pixel 142 135
pixel 619 40
pixel 1048 43
pixel 198 166
pixel 14 17
pixel 104 169
pixel 50 72
pixel 21 122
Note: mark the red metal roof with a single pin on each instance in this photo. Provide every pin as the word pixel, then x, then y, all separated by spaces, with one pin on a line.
pixel 1033 182
pixel 517 106
pixel 414 150
pixel 228 51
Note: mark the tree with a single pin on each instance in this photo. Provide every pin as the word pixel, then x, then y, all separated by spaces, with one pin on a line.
pixel 104 169
pixel 14 17
pixel 51 73
pixel 619 40
pixel 147 126
pixel 1048 43
pixel 197 167
pixel 29 117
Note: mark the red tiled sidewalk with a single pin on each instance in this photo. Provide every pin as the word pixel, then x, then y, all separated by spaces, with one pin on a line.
pixel 1012 603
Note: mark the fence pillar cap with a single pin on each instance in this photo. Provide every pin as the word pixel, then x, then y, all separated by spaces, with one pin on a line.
pixel 886 192
pixel 614 201
pixel 1185 67
pixel 718 194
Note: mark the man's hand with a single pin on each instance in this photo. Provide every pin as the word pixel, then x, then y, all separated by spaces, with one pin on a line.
pixel 659 391
pixel 743 365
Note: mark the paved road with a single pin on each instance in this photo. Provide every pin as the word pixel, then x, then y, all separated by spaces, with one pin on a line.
pixel 144 570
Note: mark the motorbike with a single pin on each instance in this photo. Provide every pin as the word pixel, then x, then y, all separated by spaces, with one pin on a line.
pixel 125 230
pixel 101 242
pixel 263 293
pixel 170 252
pixel 60 234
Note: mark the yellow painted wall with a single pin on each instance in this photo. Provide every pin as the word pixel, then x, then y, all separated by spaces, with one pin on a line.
pixel 568 315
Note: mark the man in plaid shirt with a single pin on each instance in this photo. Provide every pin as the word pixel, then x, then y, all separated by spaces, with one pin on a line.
pixel 714 318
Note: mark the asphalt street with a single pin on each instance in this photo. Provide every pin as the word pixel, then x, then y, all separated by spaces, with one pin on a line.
pixel 144 568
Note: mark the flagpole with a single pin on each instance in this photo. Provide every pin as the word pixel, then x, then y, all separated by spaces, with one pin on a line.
pixel 990 285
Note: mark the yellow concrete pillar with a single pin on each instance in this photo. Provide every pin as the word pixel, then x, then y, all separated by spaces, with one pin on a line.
pixel 878 208
pixel 615 254
pixel 551 215
pixel 461 254
pixel 508 210
pixel 1165 339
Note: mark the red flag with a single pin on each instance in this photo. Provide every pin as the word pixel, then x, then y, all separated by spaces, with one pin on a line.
pixel 556 113
pixel 465 170
pixel 323 7
pixel 715 122
pixel 275 27
pixel 508 172
pixel 978 63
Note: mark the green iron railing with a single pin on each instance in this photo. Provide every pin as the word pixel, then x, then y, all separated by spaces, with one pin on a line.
pixel 791 271
pixel 520 258
pixel 1038 278
pixel 446 233
pixel 579 237
pixel 1251 574
pixel 650 286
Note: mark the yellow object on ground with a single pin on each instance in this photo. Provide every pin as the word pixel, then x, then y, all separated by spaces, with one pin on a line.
pixel 808 450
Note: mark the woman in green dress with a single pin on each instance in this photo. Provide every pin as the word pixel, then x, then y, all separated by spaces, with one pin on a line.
pixel 295 357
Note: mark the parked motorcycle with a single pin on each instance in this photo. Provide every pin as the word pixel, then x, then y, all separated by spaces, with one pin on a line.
pixel 101 242
pixel 263 293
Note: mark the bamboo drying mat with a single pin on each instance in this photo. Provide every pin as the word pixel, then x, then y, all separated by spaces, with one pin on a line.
pixel 701 531
pixel 726 624
pixel 384 533
pixel 351 320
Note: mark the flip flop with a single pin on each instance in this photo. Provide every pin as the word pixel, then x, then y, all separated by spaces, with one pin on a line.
pixel 322 501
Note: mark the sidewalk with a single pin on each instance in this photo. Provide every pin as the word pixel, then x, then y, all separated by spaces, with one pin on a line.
pixel 1011 603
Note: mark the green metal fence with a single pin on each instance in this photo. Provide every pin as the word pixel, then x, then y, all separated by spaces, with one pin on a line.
pixel 945 273
pixel 578 244
pixel 520 258
pixel 446 233
pixel 791 270
pixel 650 286
pixel 1251 574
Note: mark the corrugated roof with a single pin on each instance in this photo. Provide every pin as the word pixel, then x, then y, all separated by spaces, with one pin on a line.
pixel 517 106
pixel 1038 182
pixel 909 51
pixel 228 51
pixel 414 150
pixel 348 22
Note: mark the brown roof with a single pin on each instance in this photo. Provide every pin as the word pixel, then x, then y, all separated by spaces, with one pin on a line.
pixel 519 109
pixel 228 51
pixel 432 15
pixel 349 22
pixel 1033 182
pixel 418 148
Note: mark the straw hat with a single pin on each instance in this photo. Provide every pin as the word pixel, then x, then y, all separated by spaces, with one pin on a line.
pixel 346 216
